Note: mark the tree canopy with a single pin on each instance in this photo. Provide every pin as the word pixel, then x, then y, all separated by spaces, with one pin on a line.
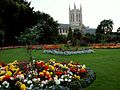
pixel 15 16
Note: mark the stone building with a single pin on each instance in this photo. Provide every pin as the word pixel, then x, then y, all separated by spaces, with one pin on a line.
pixel 75 22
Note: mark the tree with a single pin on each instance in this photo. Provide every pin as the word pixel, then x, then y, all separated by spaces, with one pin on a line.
pixel 1 38
pixel 90 38
pixel 62 39
pixel 15 17
pixel 70 35
pixel 49 28
pixel 104 30
pixel 77 37
pixel 29 37
pixel 107 26
pixel 118 30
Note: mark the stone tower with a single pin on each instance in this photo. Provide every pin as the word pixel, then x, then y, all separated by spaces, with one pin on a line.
pixel 75 18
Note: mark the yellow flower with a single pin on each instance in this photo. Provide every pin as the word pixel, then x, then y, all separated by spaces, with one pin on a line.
pixel 76 77
pixel 18 83
pixel 51 67
pixel 52 60
pixel 8 73
pixel 6 67
pixel 84 67
pixel 41 74
pixel 2 72
pixel 23 87
pixel 1 78
pixel 51 73
pixel 15 62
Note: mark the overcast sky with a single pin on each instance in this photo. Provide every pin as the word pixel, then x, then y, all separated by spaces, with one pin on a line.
pixel 93 11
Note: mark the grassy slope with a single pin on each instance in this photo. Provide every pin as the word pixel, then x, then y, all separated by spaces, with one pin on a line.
pixel 105 62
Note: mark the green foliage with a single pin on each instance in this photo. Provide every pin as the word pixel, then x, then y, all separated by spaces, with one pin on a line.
pixel 15 16
pixel 70 35
pixel 104 30
pixel 76 37
pixel 49 28
pixel 28 38
pixel 62 38
pixel 1 38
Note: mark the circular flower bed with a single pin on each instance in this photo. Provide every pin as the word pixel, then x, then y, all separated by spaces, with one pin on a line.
pixel 39 75
pixel 68 52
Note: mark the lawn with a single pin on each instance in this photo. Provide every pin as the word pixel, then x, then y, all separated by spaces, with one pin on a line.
pixel 105 62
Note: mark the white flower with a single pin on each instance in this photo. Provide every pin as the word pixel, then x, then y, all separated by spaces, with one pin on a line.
pixel 57 82
pixel 70 77
pixel 12 78
pixel 34 79
pixel 61 79
pixel 0 86
pixel 20 77
pixel 33 61
pixel 66 79
pixel 6 84
pixel 25 80
pixel 71 73
pixel 55 78
pixel 62 76
pixel 43 82
pixel 38 79
pixel 29 75
pixel 29 82
pixel 30 87
pixel 41 85
pixel 69 80
pixel 83 67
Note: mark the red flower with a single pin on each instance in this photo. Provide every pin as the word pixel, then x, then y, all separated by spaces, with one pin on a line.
pixel 83 71
pixel 6 77
pixel 40 64
pixel 58 72
pixel 46 67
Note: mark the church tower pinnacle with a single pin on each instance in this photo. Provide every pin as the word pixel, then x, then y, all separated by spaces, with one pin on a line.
pixel 75 18
pixel 74 6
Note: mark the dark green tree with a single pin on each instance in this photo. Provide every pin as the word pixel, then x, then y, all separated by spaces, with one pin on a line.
pixel 1 38
pixel 15 17
pixel 118 30
pixel 76 37
pixel 30 37
pixel 70 35
pixel 62 39
pixel 90 38
pixel 49 28
pixel 104 30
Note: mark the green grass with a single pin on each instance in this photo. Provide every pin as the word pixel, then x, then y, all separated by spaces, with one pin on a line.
pixel 105 62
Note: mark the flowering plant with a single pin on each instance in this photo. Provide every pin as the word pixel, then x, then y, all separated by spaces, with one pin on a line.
pixel 39 75
pixel 86 51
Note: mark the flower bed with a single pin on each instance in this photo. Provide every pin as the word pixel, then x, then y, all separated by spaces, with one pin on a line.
pixel 10 47
pixel 68 52
pixel 50 47
pixel 39 75
pixel 109 45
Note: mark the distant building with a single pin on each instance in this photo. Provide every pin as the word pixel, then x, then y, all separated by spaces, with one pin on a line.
pixel 75 22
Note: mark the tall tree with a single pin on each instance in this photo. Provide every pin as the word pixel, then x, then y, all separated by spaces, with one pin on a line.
pixel 118 30
pixel 16 16
pixel 104 30
pixel 70 35
pixel 49 28
pixel 107 25
pixel 77 37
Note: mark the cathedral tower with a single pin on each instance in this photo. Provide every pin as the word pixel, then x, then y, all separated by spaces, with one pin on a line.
pixel 75 18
